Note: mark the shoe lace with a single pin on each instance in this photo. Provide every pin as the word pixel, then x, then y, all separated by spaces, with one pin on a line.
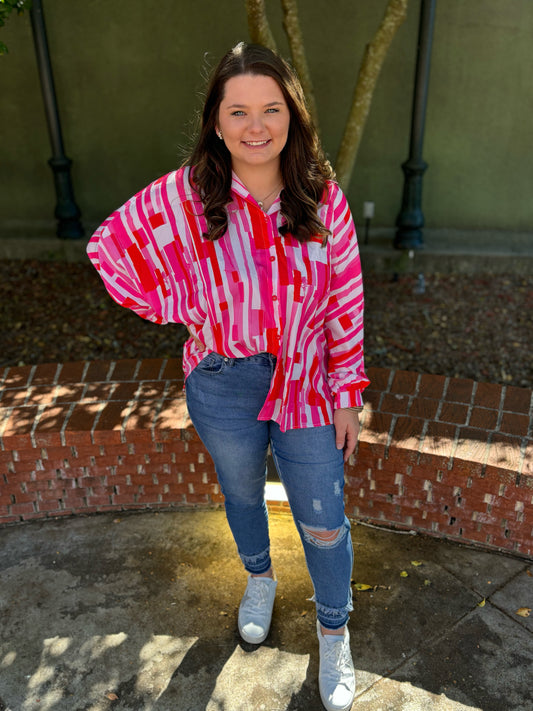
pixel 256 594
pixel 337 658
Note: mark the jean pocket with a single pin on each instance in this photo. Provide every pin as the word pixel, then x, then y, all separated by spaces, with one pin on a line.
pixel 212 364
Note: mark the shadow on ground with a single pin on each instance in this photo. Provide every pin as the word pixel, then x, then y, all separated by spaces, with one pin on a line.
pixel 138 613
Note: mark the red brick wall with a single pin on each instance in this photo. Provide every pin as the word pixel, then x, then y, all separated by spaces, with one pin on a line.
pixel 444 456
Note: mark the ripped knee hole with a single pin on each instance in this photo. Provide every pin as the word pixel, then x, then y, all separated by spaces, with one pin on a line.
pixel 323 537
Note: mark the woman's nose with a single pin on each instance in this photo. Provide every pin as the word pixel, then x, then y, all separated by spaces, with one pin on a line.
pixel 256 124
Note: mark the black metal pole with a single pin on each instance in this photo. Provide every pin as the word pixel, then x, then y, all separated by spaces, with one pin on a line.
pixel 411 219
pixel 66 211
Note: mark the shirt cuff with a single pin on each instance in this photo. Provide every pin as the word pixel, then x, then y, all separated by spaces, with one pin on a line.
pixel 350 397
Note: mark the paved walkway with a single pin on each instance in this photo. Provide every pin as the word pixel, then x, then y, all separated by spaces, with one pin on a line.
pixel 138 613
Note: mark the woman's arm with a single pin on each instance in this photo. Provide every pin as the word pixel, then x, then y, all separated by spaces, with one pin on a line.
pixel 110 252
pixel 140 255
pixel 343 323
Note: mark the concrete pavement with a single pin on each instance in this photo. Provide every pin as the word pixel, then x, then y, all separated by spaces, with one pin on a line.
pixel 138 613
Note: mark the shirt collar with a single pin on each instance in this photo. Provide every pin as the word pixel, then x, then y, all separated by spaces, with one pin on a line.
pixel 239 188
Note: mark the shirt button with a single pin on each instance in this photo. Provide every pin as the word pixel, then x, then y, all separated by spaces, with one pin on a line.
pixel 272 259
pixel 274 298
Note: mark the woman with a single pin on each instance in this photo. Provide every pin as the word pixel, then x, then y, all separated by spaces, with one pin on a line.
pixel 252 246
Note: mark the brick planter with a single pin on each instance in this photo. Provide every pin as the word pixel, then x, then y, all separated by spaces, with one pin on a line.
pixel 446 456
pixel 443 456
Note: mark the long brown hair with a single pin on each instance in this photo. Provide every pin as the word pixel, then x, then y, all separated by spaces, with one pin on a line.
pixel 304 168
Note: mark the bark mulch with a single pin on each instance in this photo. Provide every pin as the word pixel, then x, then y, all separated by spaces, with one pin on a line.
pixel 474 326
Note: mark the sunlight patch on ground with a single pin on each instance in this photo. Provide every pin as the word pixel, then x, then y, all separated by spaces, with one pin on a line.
pixel 284 674
pixel 159 659
pixel 389 694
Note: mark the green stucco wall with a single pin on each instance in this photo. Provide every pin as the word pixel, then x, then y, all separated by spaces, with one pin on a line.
pixel 129 76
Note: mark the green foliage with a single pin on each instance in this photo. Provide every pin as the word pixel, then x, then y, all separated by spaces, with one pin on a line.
pixel 6 8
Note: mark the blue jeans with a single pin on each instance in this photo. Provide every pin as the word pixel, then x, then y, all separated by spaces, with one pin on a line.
pixel 224 398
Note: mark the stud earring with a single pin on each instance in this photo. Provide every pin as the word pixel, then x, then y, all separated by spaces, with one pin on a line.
pixel 219 134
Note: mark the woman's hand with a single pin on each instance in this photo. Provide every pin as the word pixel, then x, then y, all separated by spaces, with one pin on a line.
pixel 346 423
pixel 198 342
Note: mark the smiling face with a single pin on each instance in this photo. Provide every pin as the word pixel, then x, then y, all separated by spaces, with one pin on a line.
pixel 253 118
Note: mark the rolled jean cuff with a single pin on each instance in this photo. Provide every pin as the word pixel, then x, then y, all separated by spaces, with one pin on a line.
pixel 257 564
pixel 333 618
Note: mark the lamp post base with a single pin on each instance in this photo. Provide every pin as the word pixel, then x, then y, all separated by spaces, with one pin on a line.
pixel 406 238
pixel 411 218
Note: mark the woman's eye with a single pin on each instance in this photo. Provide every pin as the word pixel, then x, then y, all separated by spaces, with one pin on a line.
pixel 237 113
pixel 272 111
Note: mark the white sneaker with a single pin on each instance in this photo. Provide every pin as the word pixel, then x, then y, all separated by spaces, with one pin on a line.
pixel 255 611
pixel 336 675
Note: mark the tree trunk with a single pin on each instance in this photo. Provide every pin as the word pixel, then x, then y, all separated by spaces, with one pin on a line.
pixel 258 26
pixel 373 59
pixel 291 25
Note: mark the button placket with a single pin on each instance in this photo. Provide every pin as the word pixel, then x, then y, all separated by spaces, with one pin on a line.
pixel 274 272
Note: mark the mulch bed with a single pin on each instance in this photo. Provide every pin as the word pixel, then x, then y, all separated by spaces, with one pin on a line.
pixel 474 326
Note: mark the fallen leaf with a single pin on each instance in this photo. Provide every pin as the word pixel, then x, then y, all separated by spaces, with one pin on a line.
pixel 529 573
pixel 303 614
pixel 404 574
pixel 416 563
pixel 482 603
pixel 362 586
pixel 523 611
pixel 111 696
pixel 427 582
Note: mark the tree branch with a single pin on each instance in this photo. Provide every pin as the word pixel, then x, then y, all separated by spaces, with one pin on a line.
pixel 291 25
pixel 258 27
pixel 373 60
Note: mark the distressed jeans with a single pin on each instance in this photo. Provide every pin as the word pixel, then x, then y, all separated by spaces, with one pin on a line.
pixel 224 398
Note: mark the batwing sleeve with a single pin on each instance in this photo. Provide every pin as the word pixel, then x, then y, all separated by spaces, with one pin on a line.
pixel 137 253
pixel 344 313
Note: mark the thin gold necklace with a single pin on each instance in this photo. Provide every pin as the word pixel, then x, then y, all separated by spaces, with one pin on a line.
pixel 262 202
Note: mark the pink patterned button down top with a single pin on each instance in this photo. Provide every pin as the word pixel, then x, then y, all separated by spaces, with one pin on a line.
pixel 249 292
